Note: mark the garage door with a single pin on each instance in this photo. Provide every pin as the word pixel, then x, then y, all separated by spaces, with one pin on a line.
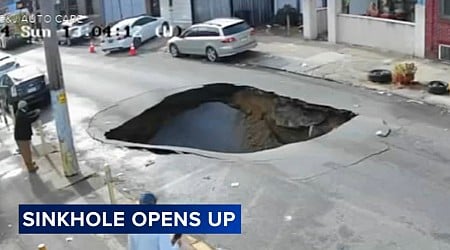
pixel 255 12
pixel 205 10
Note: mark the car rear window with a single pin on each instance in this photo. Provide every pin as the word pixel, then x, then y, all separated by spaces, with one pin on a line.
pixel 6 66
pixel 236 28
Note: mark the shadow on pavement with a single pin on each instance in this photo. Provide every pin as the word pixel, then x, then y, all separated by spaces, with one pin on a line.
pixel 241 58
pixel 149 46
pixel 46 192
pixel 19 49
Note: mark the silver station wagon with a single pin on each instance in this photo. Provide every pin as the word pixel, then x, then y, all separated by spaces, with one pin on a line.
pixel 216 38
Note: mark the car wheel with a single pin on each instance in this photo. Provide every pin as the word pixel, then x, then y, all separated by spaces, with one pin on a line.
pixel 211 54
pixel 380 76
pixel 177 31
pixel 174 51
pixel 137 42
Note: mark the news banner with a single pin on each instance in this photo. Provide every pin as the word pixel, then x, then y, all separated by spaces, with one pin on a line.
pixel 129 219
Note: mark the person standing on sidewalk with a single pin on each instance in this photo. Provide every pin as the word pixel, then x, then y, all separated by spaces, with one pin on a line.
pixel 151 241
pixel 23 133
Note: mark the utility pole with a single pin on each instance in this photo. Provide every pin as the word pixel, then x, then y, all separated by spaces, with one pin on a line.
pixel 58 94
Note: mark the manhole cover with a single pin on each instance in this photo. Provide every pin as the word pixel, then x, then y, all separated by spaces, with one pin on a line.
pixel 230 119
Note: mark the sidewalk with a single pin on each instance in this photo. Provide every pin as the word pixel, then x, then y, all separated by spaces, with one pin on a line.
pixel 345 64
pixel 49 186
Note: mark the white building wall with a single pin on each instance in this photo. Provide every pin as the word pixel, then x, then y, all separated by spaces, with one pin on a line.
pixel 376 32
pixel 398 36
pixel 180 14
pixel 419 49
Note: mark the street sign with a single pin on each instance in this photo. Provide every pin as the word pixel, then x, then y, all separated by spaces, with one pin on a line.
pixel 62 98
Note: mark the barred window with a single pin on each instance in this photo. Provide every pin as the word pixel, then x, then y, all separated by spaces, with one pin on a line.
pixel 445 8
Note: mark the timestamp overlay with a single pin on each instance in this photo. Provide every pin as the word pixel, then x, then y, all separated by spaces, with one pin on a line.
pixel 68 26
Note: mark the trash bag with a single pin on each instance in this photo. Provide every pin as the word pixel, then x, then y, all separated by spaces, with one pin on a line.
pixel 294 16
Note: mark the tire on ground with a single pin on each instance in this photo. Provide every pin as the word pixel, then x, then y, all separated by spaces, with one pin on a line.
pixel 380 76
pixel 438 87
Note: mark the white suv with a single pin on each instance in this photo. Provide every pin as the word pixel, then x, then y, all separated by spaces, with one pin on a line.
pixel 216 38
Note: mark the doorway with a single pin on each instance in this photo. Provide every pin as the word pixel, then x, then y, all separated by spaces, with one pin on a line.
pixel 153 8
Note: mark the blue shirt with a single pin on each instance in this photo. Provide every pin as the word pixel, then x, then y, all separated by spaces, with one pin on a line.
pixel 150 242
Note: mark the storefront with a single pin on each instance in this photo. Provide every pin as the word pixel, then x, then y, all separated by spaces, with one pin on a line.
pixel 401 10
pixel 389 25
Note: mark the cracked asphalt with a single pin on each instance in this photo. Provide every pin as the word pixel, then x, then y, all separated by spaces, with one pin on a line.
pixel 349 189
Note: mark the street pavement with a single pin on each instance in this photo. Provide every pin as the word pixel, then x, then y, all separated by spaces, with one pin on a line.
pixel 349 189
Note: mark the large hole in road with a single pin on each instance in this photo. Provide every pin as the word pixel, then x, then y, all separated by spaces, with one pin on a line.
pixel 230 119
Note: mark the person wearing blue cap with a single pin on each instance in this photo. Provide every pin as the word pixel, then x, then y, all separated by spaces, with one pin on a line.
pixel 150 241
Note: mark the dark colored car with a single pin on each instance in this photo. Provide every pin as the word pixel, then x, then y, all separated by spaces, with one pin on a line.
pixel 25 83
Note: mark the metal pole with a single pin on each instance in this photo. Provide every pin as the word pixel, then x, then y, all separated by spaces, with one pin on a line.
pixel 5 118
pixel 11 112
pixel 288 25
pixel 58 94
pixel 110 184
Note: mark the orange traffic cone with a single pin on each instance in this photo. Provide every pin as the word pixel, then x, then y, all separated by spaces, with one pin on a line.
pixel 92 48
pixel 132 50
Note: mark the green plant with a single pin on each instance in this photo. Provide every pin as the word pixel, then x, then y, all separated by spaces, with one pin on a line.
pixel 405 69
pixel 404 73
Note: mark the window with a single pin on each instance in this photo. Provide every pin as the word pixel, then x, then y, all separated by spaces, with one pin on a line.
pixel 191 32
pixel 89 7
pixel 235 28
pixel 6 81
pixel 207 31
pixel 445 8
pixel 402 10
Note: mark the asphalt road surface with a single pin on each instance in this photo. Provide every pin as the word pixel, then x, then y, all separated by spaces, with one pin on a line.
pixel 351 190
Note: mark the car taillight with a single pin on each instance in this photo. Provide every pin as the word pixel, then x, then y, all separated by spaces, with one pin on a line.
pixel 252 31
pixel 229 40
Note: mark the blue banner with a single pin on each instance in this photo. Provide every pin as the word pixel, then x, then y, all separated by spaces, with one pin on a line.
pixel 129 219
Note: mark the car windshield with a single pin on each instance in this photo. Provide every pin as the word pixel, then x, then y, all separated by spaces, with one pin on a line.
pixel 81 22
pixel 6 66
pixel 121 25
pixel 236 28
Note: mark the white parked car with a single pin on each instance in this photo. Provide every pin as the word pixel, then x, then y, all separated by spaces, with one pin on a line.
pixel 7 63
pixel 135 30
pixel 76 29
pixel 214 39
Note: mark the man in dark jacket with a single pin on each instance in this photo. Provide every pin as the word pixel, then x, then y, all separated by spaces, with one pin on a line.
pixel 23 133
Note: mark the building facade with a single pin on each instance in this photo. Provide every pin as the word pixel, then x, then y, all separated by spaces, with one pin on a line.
pixel 391 25
pixel 114 10
pixel 438 29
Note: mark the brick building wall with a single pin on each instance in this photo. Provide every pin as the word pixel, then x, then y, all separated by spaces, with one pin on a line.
pixel 437 29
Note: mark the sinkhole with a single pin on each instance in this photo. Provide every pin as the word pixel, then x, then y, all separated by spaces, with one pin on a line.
pixel 230 119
